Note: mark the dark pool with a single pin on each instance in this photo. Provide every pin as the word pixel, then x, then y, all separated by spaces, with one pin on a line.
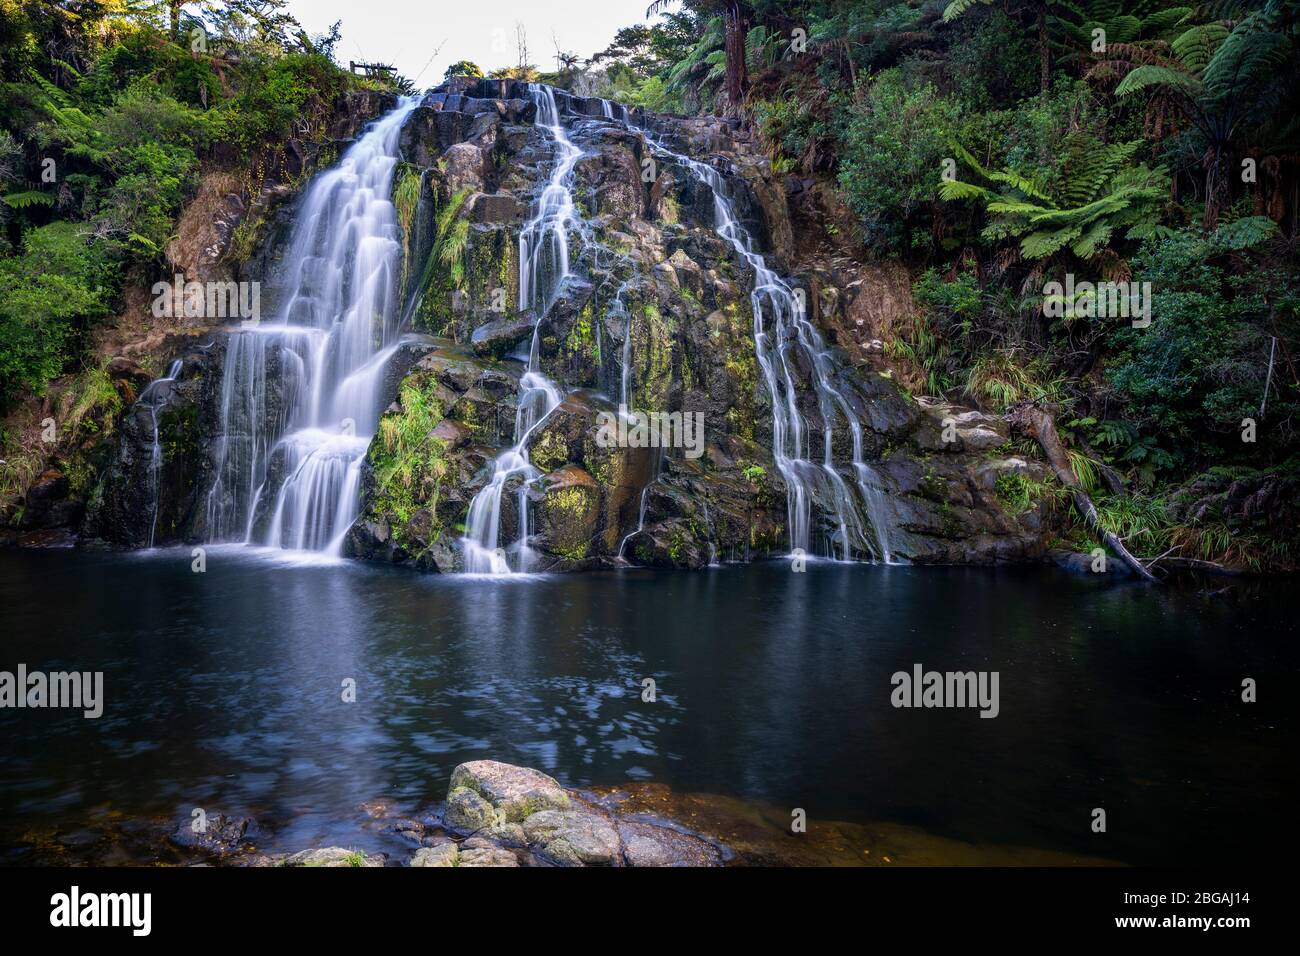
pixel 223 691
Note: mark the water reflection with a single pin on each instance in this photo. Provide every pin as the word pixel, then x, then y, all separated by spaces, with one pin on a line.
pixel 224 691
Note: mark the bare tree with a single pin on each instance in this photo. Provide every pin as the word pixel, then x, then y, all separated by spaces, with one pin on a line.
pixel 521 44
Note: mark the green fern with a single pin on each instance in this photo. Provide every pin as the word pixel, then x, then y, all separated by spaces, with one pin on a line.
pixel 1100 194
pixel 26 200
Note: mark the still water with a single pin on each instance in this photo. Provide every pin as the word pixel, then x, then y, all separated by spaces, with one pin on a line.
pixel 223 690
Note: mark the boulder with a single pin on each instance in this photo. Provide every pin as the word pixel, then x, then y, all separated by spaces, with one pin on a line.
pixel 444 854
pixel 468 812
pixel 575 837
pixel 499 336
pixel 487 856
pixel 645 844
pixel 514 793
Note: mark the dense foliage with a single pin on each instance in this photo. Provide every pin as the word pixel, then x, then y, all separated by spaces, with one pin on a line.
pixel 109 110
pixel 996 146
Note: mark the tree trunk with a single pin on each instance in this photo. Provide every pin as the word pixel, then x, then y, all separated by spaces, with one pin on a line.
pixel 1216 192
pixel 735 46
pixel 1036 422
pixel 174 8
pixel 1044 50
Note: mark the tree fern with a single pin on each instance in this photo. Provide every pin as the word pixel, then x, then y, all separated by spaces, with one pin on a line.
pixel 1100 194
pixel 958 7
pixel 1196 45
pixel 25 200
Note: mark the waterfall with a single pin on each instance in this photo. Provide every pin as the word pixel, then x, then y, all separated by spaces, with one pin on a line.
pixel 640 521
pixel 782 327
pixel 301 396
pixel 543 266
pixel 155 395
pixel 784 341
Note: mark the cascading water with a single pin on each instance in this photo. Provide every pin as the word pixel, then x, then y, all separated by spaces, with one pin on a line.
pixel 301 397
pixel 780 326
pixel 784 340
pixel 154 395
pixel 543 266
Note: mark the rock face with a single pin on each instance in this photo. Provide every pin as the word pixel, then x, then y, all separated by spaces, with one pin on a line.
pixel 511 813
pixel 140 498
pixel 656 316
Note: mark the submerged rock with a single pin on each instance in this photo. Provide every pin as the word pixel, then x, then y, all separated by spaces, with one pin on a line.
pixel 221 836
pixel 647 845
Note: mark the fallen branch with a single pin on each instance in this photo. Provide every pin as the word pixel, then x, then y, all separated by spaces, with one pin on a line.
pixel 1197 564
pixel 1032 419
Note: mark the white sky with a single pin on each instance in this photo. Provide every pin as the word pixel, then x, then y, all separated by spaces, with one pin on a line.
pixel 406 32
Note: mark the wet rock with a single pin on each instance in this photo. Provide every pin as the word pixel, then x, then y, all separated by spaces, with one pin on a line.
pixel 574 837
pixel 1077 563
pixel 221 836
pixel 647 845
pixel 569 513
pixel 47 503
pixel 496 208
pixel 464 167
pixel 505 834
pixel 499 336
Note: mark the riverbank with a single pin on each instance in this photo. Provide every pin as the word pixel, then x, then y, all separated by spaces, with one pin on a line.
pixel 501 815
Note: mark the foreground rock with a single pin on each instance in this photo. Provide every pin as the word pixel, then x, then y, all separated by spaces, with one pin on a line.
pixel 333 856
pixel 516 816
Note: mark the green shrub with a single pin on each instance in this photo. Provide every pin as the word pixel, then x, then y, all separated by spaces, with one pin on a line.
pixel 49 294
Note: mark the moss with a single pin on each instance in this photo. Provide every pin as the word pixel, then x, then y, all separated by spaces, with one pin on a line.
pixel 178 432
pixel 550 451
pixel 670 212
pixel 600 463
pixel 741 364
pixel 409 465
pixel 655 343
pixel 571 512
pixel 581 340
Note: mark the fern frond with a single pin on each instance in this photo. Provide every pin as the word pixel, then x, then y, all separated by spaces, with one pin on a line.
pixel 26 200
pixel 958 7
